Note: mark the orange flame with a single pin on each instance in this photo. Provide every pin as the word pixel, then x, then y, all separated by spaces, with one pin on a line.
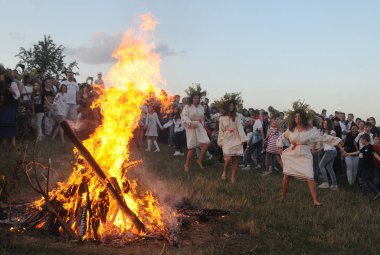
pixel 130 81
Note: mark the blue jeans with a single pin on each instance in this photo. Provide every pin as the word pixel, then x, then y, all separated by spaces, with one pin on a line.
pixel 247 158
pixel 326 164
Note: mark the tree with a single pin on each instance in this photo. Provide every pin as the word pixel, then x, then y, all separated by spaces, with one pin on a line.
pixel 46 59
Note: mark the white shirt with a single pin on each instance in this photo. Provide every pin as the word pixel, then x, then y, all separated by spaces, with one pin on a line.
pixel 72 88
pixel 16 91
pixel 357 139
pixel 28 89
pixel 344 128
pixel 258 125
pixel 60 105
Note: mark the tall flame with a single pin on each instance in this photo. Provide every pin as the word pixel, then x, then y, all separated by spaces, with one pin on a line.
pixel 129 82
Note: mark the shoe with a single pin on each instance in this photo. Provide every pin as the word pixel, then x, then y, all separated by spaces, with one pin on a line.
pixel 266 173
pixel 334 187
pixel 324 185
pixel 210 157
pixel 177 153
pixel 182 154
pixel 147 149
pixel 242 165
pixel 258 167
pixel 248 167
pixel 157 150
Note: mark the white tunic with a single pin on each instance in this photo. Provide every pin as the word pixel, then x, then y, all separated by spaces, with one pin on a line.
pixel 194 135
pixel 60 105
pixel 151 122
pixel 297 159
pixel 231 136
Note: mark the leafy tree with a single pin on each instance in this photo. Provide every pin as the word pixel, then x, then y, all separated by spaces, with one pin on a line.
pixel 46 59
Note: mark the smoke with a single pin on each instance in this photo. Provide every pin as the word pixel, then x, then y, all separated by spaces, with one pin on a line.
pixel 101 45
pixel 167 192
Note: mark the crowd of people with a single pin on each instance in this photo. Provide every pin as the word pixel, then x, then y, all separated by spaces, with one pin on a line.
pixel 32 107
pixel 301 143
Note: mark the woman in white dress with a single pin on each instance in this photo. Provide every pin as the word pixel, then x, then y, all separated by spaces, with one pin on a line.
pixel 231 138
pixel 297 159
pixel 193 120
pixel 151 133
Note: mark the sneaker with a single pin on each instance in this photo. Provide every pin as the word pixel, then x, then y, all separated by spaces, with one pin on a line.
pixel 266 173
pixel 157 150
pixel 324 185
pixel 258 166
pixel 334 187
pixel 182 154
pixel 248 167
pixel 177 153
pixel 242 165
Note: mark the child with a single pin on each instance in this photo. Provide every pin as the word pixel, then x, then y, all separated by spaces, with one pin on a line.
pixel 366 158
pixel 179 131
pixel 151 128
pixel 48 119
pixel 37 109
pixel 60 111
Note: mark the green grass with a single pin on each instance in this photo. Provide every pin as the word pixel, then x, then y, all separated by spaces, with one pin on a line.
pixel 346 223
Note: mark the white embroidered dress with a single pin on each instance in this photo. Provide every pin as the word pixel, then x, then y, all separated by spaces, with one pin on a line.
pixel 151 122
pixel 231 136
pixel 297 159
pixel 194 115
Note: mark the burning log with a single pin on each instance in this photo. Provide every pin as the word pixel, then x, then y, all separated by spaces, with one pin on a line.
pixel 102 177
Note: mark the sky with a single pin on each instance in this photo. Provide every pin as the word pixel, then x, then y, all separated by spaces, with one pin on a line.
pixel 274 52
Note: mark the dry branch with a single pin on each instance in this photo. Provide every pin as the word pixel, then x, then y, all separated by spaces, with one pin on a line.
pixel 102 177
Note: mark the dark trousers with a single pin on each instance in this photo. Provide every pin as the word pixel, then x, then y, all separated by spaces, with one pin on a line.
pixel 179 140
pixel 368 184
pixel 247 158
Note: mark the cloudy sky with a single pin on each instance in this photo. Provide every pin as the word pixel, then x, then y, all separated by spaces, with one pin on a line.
pixel 325 52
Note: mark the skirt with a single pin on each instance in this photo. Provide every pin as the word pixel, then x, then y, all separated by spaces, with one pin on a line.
pixel 236 150
pixel 8 115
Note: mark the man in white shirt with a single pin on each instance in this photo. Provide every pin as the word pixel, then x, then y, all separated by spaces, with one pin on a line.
pixel 350 121
pixel 100 81
pixel 342 123
pixel 72 96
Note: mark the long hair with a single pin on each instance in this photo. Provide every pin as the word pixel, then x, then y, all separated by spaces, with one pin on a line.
pixel 304 120
pixel 190 102
pixel 329 127
pixel 228 112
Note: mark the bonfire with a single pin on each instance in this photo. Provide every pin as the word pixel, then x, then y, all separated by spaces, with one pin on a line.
pixel 98 201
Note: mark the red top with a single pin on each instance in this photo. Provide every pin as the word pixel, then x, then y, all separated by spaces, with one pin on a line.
pixel 376 163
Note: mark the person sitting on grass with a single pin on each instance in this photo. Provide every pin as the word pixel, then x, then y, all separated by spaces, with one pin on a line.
pixel 367 155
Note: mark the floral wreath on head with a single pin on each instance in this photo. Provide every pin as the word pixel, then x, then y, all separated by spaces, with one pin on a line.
pixel 195 89
pixel 301 106
pixel 228 98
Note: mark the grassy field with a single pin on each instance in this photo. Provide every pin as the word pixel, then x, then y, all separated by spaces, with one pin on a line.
pixel 346 223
